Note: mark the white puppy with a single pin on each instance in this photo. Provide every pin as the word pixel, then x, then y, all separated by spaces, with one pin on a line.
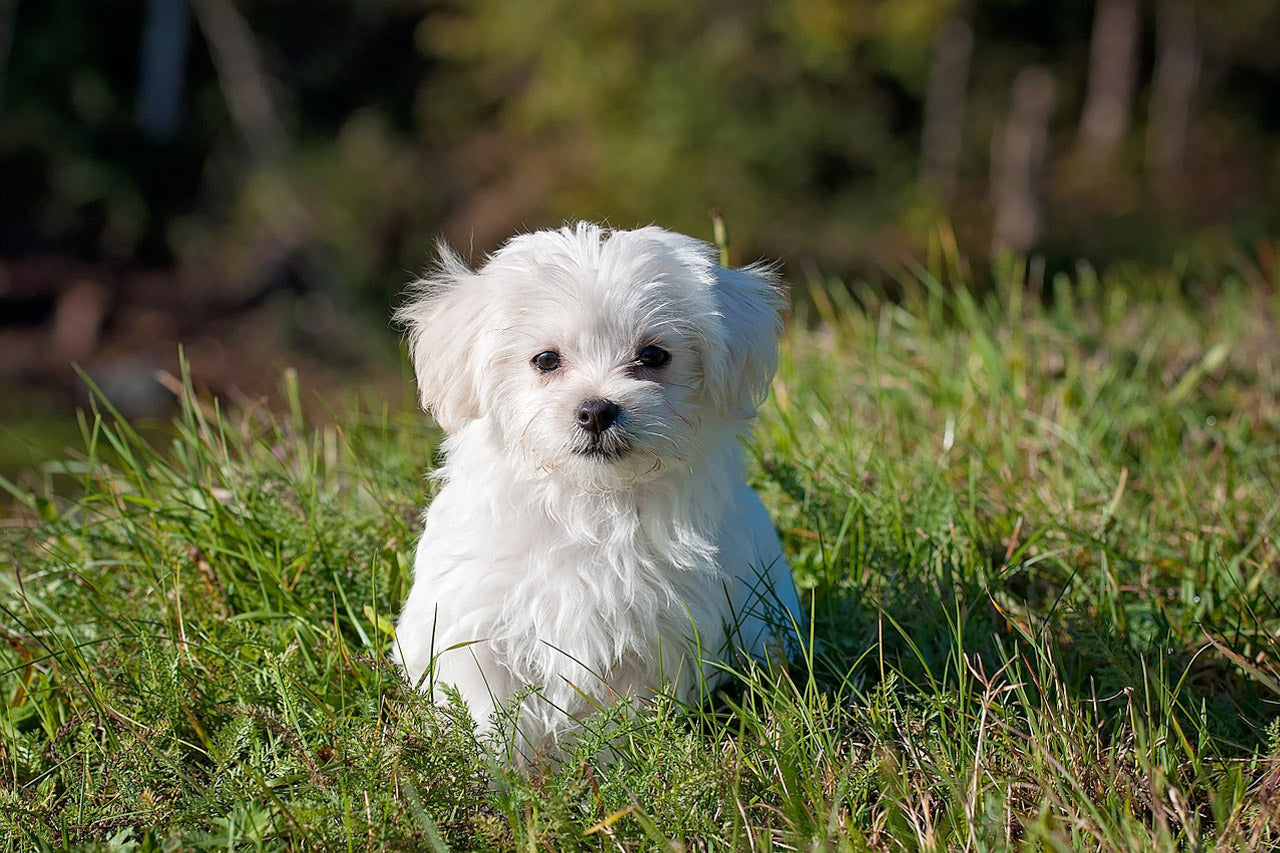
pixel 592 537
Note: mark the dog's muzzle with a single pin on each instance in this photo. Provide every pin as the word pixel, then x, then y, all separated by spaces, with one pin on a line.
pixel 598 420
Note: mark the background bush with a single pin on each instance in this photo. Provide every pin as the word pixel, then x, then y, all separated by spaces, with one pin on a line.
pixel 802 121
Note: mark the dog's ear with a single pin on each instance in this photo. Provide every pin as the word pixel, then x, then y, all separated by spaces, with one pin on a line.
pixel 444 319
pixel 750 303
pixel 741 351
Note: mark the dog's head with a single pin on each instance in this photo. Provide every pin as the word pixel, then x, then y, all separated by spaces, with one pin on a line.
pixel 592 353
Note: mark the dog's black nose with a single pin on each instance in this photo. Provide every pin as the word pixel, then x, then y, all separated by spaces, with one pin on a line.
pixel 597 415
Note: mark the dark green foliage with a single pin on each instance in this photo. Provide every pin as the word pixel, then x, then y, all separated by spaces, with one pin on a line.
pixel 801 120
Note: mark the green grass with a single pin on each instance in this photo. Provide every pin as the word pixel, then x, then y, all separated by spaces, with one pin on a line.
pixel 1038 531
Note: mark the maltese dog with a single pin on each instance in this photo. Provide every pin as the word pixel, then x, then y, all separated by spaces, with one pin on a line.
pixel 592 538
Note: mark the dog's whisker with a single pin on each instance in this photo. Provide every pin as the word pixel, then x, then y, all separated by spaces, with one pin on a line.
pixel 676 412
pixel 524 432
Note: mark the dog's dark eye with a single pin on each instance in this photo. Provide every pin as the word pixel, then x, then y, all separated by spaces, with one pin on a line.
pixel 652 356
pixel 547 361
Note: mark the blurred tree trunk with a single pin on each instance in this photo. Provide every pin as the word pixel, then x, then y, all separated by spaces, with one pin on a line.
pixel 240 74
pixel 1108 102
pixel 944 107
pixel 163 68
pixel 1018 155
pixel 1173 88
pixel 291 241
pixel 8 11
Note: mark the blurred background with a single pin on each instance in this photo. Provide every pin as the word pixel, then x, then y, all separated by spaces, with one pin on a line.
pixel 258 180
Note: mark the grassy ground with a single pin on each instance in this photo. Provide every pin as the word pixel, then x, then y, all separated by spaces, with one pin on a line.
pixel 1038 531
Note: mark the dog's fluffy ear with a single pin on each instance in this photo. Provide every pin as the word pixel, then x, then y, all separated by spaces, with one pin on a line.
pixel 444 320
pixel 742 348
pixel 750 303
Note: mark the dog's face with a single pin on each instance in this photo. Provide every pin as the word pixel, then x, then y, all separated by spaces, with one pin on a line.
pixel 595 356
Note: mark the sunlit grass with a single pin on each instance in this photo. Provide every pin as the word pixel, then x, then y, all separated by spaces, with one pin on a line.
pixel 1037 528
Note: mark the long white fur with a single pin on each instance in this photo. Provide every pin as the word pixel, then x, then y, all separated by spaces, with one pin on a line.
pixel 587 579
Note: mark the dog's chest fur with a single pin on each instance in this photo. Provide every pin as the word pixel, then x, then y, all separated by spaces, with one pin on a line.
pixel 576 582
